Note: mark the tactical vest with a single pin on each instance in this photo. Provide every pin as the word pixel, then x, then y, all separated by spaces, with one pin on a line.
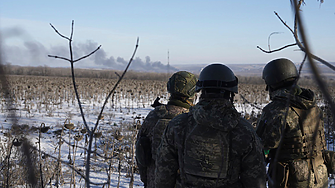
pixel 302 145
pixel 158 130
pixel 206 152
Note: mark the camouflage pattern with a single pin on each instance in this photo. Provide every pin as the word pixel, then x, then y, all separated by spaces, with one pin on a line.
pixel 182 83
pixel 232 157
pixel 160 112
pixel 294 169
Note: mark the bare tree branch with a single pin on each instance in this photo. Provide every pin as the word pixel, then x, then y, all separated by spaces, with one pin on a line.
pixel 117 74
pixel 87 55
pixel 57 57
pixel 59 32
pixel 102 108
pixel 276 50
pixel 89 131
pixel 315 70
pixel 71 36
pixel 298 42
pixel 288 27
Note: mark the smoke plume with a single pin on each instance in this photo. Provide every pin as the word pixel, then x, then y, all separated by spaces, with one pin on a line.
pixel 33 53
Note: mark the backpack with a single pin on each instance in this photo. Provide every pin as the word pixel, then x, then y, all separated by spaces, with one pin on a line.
pixel 143 151
pixel 206 152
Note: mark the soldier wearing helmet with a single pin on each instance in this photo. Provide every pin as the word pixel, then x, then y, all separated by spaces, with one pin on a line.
pixel 181 87
pixel 211 145
pixel 294 120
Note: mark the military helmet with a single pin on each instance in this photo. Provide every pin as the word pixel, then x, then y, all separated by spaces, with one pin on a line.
pixel 182 83
pixel 279 71
pixel 217 76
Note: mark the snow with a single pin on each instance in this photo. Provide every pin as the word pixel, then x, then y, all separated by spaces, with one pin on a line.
pixel 121 116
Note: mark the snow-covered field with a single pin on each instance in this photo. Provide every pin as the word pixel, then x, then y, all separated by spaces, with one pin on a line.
pixel 114 158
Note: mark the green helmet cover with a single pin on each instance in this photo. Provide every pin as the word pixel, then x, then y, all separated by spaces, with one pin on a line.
pixel 182 83
pixel 279 71
pixel 217 76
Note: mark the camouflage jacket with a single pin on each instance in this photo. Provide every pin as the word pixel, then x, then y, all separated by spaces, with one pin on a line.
pixel 211 146
pixel 294 151
pixel 163 111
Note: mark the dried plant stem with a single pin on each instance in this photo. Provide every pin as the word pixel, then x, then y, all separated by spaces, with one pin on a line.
pixel 59 167
pixel 39 156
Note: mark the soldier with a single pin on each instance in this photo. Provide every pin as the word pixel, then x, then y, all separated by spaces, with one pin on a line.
pixel 181 86
pixel 212 145
pixel 293 119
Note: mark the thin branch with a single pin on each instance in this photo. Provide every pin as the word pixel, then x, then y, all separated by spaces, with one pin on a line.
pixel 117 83
pixel 315 70
pixel 117 74
pixel 57 57
pixel 288 27
pixel 321 60
pixel 276 50
pixel 103 106
pixel 59 32
pixel 87 55
pixel 78 98
pixel 298 42
pixel 71 36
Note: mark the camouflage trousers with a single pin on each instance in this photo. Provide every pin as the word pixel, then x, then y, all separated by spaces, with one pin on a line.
pixel 297 174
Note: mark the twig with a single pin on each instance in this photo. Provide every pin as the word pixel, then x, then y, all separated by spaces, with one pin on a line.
pixel 276 50
pixel 300 45
pixel 298 42
pixel 87 55
pixel 59 32
pixel 57 57
pixel 89 131
pixel 102 108
pixel 315 70
pixel 39 155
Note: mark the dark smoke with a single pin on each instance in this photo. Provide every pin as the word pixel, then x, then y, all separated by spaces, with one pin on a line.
pixel 34 53
pixel 101 59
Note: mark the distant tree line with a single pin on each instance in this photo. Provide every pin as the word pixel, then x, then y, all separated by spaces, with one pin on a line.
pixel 114 74
pixel 81 73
